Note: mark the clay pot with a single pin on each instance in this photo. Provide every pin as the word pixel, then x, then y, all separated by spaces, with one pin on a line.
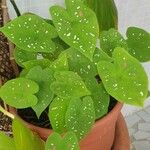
pixel 101 136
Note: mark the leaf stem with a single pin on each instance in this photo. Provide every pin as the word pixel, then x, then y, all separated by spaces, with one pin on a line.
pixel 15 7
pixel 6 113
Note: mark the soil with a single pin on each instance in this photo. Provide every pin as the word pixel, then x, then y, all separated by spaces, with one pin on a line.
pixel 29 115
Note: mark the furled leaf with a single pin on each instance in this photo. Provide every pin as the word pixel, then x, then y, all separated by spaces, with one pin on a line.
pixel 80 116
pixel 19 93
pixel 27 32
pixel 88 72
pixel 139 43
pixel 56 142
pixel 69 85
pixel 125 79
pixel 24 138
pixel 6 142
pixel 57 112
pixel 22 56
pixel 111 39
pixel 77 26
pixel 44 78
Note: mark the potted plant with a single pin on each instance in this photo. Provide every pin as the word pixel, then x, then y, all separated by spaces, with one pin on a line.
pixel 66 78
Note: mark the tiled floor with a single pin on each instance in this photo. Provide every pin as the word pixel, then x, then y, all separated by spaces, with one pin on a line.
pixel 139 129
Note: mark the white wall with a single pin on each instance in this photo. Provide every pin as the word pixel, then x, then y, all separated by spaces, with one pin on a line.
pixel 131 13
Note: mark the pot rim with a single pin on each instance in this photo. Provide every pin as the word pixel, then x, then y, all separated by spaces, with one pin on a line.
pixel 102 120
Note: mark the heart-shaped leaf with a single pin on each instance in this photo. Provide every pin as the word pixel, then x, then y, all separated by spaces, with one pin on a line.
pixel 57 112
pixel 139 43
pixel 125 79
pixel 55 142
pixel 77 26
pixel 111 39
pixel 80 116
pixel 69 85
pixel 27 32
pixel 44 78
pixel 19 93
pixel 6 142
pixel 88 71
pixel 24 138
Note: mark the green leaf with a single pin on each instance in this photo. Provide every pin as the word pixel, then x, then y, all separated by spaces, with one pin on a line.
pixel 125 79
pixel 69 85
pixel 6 142
pixel 139 43
pixel 22 56
pixel 44 78
pixel 57 112
pixel 24 138
pixel 88 71
pixel 77 26
pixel 111 39
pixel 27 32
pixel 19 93
pixel 80 116
pixel 55 142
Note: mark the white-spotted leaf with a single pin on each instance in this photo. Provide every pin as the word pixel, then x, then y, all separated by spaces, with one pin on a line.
pixel 77 25
pixel 19 93
pixel 27 32
pixel 125 79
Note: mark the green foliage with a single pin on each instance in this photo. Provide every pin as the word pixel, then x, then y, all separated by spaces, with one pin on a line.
pixel 139 43
pixel 111 39
pixel 44 78
pixel 77 26
pixel 106 13
pixel 125 79
pixel 80 116
pixel 27 32
pixel 19 93
pixel 69 142
pixel 69 84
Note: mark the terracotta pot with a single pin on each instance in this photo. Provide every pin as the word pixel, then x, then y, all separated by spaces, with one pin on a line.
pixel 122 140
pixel 101 136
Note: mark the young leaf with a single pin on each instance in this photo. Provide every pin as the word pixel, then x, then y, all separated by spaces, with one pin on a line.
pixel 111 39
pixel 19 93
pixel 24 138
pixel 27 32
pixel 80 116
pixel 69 85
pixel 87 71
pixel 6 142
pixel 44 78
pixel 22 56
pixel 139 43
pixel 57 112
pixel 125 79
pixel 77 26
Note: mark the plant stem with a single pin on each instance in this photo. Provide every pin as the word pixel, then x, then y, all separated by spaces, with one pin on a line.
pixel 6 113
pixel 15 7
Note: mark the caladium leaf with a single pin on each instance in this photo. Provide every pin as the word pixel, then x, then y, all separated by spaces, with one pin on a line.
pixel 6 142
pixel 24 138
pixel 125 79
pixel 80 116
pixel 56 142
pixel 22 56
pixel 77 25
pixel 27 32
pixel 139 43
pixel 88 71
pixel 19 93
pixel 44 78
pixel 69 85
pixel 57 112
pixel 111 39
